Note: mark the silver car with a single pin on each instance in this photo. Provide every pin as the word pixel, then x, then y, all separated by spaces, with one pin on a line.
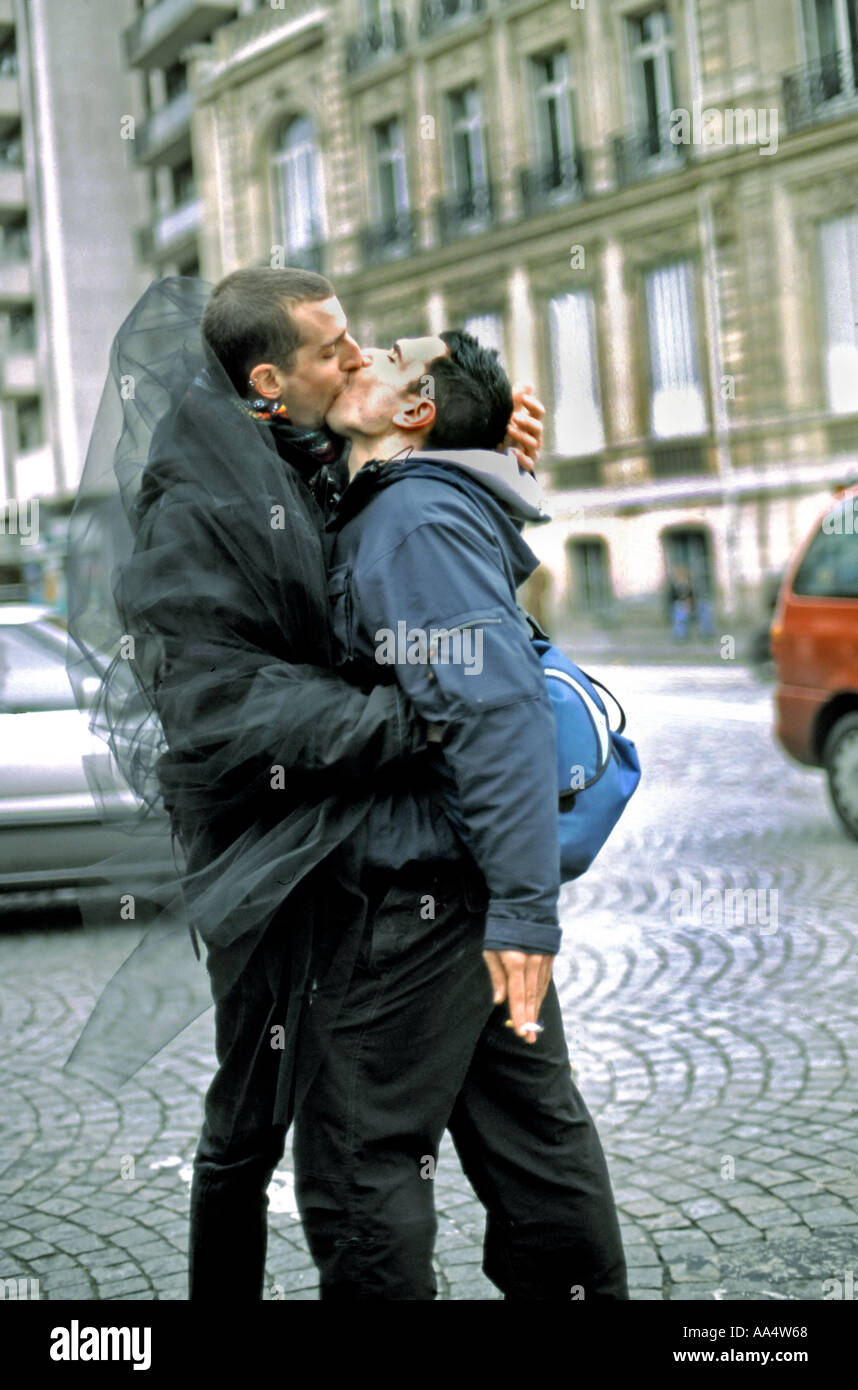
pixel 51 831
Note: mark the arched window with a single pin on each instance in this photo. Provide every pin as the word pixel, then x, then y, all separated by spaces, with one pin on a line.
pixel 295 188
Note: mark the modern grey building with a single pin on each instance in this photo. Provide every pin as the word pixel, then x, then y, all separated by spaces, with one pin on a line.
pixel 69 200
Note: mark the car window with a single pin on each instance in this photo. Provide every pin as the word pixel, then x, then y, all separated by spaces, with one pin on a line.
pixel 830 567
pixel 32 672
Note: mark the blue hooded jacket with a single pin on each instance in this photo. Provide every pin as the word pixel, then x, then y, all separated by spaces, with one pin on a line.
pixel 425 559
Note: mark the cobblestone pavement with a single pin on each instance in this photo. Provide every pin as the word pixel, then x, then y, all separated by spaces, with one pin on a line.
pixel 715 1046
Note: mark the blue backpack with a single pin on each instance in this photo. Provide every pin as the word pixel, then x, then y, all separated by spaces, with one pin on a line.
pixel 597 768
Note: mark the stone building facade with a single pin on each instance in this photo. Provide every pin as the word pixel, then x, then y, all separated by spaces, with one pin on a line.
pixel 650 208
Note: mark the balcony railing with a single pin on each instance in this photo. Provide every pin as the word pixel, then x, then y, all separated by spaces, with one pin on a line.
pixel 158 35
pixel 171 232
pixel 687 459
pixel 389 240
pixel 576 473
pixel 644 154
pixel 552 184
pixel 374 43
pixel 178 225
pixel 821 91
pixel 166 136
pixel 466 214
pixel 438 15
pixel 309 257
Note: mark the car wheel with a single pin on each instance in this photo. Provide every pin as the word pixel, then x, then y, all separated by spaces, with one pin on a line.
pixel 840 758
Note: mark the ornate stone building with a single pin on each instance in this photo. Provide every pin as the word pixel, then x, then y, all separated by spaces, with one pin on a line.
pixel 651 208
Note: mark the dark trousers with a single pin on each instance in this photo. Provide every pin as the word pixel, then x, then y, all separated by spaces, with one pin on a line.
pixel 267 1051
pixel 244 1129
pixel 417 1047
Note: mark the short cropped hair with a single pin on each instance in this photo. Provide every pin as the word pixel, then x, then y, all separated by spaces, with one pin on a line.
pixel 472 394
pixel 248 318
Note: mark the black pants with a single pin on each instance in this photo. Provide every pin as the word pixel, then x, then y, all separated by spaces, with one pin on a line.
pixel 267 1053
pixel 418 1047
pixel 244 1130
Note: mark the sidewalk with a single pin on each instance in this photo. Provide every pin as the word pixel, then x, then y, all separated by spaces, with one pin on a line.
pixel 655 646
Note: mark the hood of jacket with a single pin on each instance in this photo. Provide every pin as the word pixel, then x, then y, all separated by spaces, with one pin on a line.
pixel 519 493
pixel 490 480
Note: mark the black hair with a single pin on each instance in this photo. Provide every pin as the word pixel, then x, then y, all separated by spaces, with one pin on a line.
pixel 472 395
pixel 247 318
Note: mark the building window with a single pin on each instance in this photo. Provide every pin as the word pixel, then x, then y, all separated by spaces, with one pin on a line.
pixel 22 331
pixel 175 81
pixel 295 176
pixel 380 35
pixel 378 13
pixel 31 434
pixel 391 232
pixel 831 34
pixel 551 81
pixel 577 419
pixel 184 184
pixel 435 15
pixel 12 150
pixel 9 58
pixel 488 330
pixel 839 257
pixel 677 404
pixel 591 582
pixel 391 182
pixel 15 242
pixel 467 147
pixel 651 48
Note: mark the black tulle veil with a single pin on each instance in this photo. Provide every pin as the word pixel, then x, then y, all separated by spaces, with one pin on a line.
pixel 191 566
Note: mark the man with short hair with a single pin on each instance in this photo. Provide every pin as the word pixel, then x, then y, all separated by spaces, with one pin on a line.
pixel 461 869
pixel 283 329
pixel 230 618
pixel 233 651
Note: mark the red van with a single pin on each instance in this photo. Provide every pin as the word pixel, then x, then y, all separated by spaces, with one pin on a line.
pixel 815 647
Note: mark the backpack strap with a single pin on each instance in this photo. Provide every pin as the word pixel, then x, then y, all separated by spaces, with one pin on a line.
pixel 611 696
pixel 537 633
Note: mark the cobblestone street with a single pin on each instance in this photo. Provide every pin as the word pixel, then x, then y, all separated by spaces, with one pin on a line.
pixel 718 1056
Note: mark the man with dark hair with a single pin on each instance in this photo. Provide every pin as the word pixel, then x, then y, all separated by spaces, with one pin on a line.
pixel 461 870
pixel 472 395
pixel 225 595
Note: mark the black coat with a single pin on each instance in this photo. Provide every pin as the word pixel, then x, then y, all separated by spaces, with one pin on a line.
pixel 229 712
